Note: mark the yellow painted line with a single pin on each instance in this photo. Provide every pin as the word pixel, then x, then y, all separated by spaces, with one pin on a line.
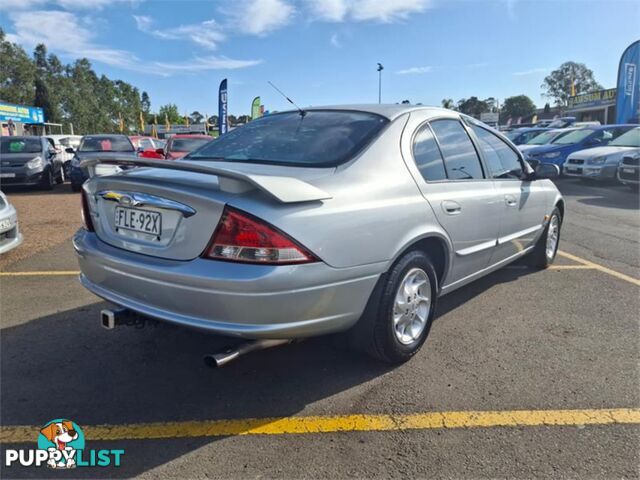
pixel 52 273
pixel 340 423
pixel 602 268
pixel 571 267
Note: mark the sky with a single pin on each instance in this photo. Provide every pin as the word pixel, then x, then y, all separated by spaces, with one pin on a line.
pixel 322 52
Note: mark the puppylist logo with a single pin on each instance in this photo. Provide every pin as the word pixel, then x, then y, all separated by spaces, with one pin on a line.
pixel 61 445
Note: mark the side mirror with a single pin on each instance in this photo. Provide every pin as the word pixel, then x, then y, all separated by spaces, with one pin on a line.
pixel 547 170
pixel 69 150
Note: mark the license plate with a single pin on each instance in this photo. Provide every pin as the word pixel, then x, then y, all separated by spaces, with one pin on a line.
pixel 628 170
pixel 139 220
pixel 572 169
pixel 7 175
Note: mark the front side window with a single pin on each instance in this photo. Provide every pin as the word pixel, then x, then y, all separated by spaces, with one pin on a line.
pixel 503 162
pixel 319 138
pixel 187 144
pixel 630 138
pixel 460 156
pixel 427 155
pixel 576 136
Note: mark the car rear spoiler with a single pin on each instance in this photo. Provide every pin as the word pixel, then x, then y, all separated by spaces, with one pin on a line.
pixel 283 189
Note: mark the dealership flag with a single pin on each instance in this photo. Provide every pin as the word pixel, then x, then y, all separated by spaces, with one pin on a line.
pixel 222 107
pixel 141 123
pixel 628 92
pixel 255 108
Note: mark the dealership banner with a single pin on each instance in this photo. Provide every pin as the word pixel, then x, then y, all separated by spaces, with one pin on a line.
pixel 222 107
pixel 20 113
pixel 256 111
pixel 628 98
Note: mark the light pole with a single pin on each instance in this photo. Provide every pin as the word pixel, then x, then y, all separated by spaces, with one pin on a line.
pixel 380 68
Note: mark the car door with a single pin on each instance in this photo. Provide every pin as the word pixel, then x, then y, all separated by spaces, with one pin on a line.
pixel 450 175
pixel 522 202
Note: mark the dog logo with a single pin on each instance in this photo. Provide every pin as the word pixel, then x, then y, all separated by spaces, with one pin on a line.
pixel 61 438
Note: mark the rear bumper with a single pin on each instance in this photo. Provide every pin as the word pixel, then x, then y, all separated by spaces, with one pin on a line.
pixel 250 301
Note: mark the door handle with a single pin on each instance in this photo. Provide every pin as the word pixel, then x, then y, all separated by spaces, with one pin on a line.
pixel 510 200
pixel 451 208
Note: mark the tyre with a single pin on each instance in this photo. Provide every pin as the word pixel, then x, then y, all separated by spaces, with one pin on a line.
pixel 546 248
pixel 60 177
pixel 400 311
pixel 47 181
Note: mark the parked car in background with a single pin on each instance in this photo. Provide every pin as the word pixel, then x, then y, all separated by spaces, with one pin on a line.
pixel 544 138
pixel 360 219
pixel 103 146
pixel 523 135
pixel 180 145
pixel 10 236
pixel 29 160
pixel 559 149
pixel 562 122
pixel 601 163
pixel 61 143
pixel 147 147
pixel 629 171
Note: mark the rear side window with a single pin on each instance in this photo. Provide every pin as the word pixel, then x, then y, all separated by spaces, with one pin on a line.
pixel 427 155
pixel 319 138
pixel 503 162
pixel 460 156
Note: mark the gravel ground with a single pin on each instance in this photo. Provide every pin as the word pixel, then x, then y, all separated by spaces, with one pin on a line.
pixel 46 219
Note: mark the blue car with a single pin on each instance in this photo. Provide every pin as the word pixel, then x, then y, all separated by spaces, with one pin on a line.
pixel 523 135
pixel 559 149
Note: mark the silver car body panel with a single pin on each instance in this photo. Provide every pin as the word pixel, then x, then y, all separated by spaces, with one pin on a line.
pixel 357 218
pixel 10 236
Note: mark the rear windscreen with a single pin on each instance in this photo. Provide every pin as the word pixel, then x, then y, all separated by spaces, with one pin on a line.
pixel 20 145
pixel 319 138
pixel 187 144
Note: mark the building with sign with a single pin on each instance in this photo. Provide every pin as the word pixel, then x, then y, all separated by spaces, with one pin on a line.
pixel 21 116
pixel 595 106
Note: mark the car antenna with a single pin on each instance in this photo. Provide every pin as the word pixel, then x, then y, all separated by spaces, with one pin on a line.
pixel 301 111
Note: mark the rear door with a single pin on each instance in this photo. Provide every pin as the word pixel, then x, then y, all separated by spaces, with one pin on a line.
pixel 522 202
pixel 451 177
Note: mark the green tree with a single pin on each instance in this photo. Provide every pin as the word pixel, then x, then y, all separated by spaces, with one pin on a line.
pixel 171 112
pixel 558 84
pixel 517 106
pixel 145 103
pixel 17 73
pixel 448 103
pixel 472 106
pixel 196 117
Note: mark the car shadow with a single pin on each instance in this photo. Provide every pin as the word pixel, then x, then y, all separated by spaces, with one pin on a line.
pixel 77 370
pixel 607 195
pixel 26 191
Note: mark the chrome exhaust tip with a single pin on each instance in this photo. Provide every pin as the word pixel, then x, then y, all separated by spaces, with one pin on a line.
pixel 229 354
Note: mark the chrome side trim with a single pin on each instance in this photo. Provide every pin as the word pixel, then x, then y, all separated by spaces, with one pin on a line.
pixel 137 199
pixel 476 248
pixel 519 234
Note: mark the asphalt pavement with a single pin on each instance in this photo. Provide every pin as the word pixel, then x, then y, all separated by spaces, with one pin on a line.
pixel 518 346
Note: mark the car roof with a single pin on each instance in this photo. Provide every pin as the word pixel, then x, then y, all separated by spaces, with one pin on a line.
pixel 390 111
pixel 22 137
pixel 106 135
pixel 189 135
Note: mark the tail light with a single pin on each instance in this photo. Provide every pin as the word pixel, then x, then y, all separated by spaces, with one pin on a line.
pixel 240 237
pixel 86 213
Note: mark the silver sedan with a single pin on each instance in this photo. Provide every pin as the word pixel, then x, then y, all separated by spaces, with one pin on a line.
pixel 303 223
pixel 10 236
